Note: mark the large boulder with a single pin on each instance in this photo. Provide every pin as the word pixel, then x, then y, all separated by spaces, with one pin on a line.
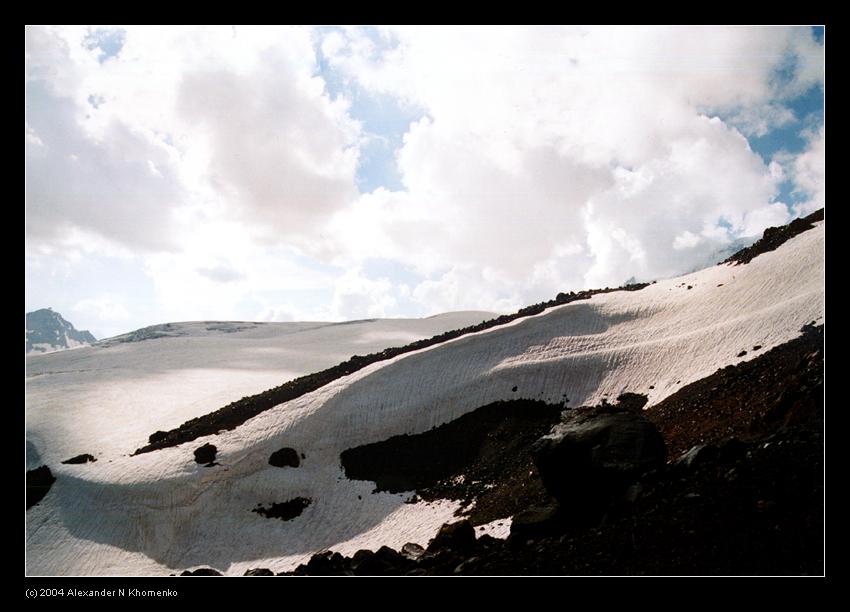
pixel 85 458
pixel 536 521
pixel 327 563
pixel 384 562
pixel 205 454
pixel 412 551
pixel 458 537
pixel 201 571
pixel 696 457
pixel 39 482
pixel 285 457
pixel 594 454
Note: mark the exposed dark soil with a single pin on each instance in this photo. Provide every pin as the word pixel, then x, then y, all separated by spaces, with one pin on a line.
pixel 86 458
pixel 483 456
pixel 236 413
pixel 749 400
pixel 774 237
pixel 748 502
pixel 39 482
pixel 285 511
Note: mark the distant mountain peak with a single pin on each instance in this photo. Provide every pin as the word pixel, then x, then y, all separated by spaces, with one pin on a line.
pixel 48 331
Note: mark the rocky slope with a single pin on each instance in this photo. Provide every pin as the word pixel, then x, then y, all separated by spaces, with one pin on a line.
pixel 742 492
pixel 47 331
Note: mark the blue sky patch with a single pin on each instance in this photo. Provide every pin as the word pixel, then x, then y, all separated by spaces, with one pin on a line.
pixel 808 113
pixel 385 119
pixel 110 41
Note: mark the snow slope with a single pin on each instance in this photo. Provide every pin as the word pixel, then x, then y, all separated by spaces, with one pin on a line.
pixel 161 512
pixel 124 388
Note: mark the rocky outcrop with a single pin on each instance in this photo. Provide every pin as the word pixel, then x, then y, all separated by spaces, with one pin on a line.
pixel 260 571
pixel 482 459
pixel 285 511
pixel 757 513
pixel 285 457
pixel 743 494
pixel 458 536
pixel 47 331
pixel 202 571
pixel 595 454
pixel 780 387
pixel 85 458
pixel 205 455
pixel 39 482
pixel 774 237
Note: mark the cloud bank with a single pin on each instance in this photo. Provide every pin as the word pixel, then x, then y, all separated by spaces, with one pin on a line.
pixel 545 159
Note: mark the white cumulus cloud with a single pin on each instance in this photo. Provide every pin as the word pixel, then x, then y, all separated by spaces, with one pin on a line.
pixel 545 159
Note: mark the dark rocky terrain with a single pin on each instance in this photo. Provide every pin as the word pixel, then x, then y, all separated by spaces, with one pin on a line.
pixel 740 494
pixel 78 459
pixel 39 482
pixel 285 511
pixel 774 237
pixel 482 459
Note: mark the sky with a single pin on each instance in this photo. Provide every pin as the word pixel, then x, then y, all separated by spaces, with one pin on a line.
pixel 337 173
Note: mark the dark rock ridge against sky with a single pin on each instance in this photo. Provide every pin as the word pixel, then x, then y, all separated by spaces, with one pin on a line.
pixel 48 331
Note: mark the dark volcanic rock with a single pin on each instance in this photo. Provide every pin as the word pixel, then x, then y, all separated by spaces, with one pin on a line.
pixel 86 458
pixel 483 456
pixel 285 511
pixel 731 449
pixel 412 551
pixel 537 521
pixel 205 454
pixel 157 436
pixel 260 571
pixel 774 237
pixel 325 563
pixel 202 571
pixel 780 387
pixel 457 537
pixel 593 455
pixel 632 401
pixel 752 504
pixel 696 456
pixel 39 482
pixel 384 562
pixel 285 457
pixel 360 558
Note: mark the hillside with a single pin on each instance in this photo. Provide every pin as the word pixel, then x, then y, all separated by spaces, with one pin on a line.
pixel 157 377
pixel 274 489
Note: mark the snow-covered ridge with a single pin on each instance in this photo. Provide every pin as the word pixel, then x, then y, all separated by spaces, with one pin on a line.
pixel 160 376
pixel 160 512
pixel 47 332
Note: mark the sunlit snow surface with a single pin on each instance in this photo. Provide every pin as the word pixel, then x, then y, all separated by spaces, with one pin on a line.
pixel 160 512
